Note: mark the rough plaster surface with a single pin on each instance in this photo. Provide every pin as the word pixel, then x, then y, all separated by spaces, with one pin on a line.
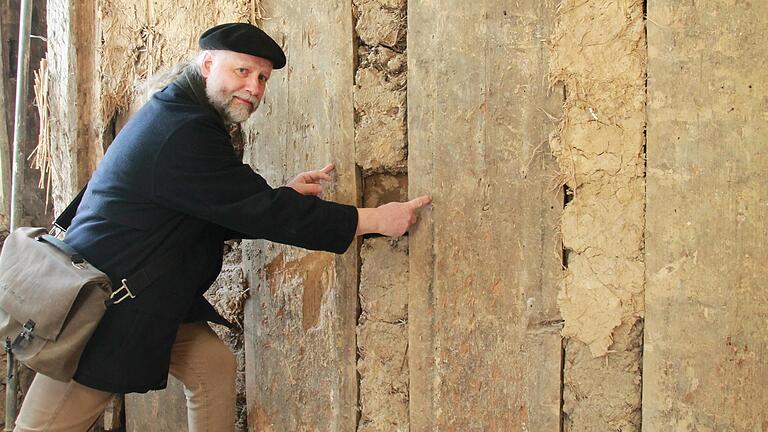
pixel 706 345
pixel 381 145
pixel 380 130
pixel 384 280
pixel 380 22
pixel 603 394
pixel 143 38
pixel 380 189
pixel 382 336
pixel 599 54
pixel 484 343
pixel 383 366
pixel 229 291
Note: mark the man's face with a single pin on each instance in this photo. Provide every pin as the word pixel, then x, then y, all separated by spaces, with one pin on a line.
pixel 235 82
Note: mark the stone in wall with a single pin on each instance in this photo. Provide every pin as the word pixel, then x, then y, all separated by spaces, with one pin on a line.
pixel 380 130
pixel 383 336
pixel 381 22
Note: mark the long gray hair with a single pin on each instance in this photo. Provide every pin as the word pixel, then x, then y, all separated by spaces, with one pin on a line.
pixel 144 89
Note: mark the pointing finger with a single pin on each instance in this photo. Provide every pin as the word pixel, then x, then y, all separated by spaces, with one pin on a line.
pixel 316 176
pixel 420 201
pixel 328 169
pixel 321 175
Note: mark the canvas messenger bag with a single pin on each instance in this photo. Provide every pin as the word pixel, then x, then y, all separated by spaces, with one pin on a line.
pixel 51 299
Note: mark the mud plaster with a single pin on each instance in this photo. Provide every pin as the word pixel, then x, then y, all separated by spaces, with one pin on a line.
pixel 228 293
pixel 381 153
pixel 383 336
pixel 380 189
pixel 380 22
pixel 599 54
pixel 380 131
pixel 141 38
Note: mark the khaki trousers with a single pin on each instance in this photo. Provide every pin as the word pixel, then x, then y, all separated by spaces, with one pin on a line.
pixel 199 359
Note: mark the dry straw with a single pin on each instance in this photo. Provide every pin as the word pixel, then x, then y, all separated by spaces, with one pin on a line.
pixel 41 156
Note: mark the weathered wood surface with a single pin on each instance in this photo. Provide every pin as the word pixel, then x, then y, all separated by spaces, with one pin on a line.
pixel 300 320
pixel 485 350
pixel 5 138
pixel 75 122
pixel 157 411
pixel 706 338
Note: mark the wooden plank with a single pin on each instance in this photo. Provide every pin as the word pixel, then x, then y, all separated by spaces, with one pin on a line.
pixel 707 217
pixel 300 320
pixel 485 261
pixel 75 120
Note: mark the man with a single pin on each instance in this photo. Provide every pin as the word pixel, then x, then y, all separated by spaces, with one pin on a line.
pixel 171 185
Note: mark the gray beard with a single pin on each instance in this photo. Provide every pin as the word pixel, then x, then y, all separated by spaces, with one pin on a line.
pixel 229 110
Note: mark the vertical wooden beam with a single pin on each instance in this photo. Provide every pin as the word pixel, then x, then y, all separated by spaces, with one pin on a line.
pixel 301 317
pixel 5 146
pixel 706 301
pixel 73 96
pixel 485 349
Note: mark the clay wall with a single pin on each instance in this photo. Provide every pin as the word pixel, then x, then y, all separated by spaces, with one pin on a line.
pixel 592 258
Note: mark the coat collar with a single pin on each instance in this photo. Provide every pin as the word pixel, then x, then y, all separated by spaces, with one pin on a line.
pixel 191 83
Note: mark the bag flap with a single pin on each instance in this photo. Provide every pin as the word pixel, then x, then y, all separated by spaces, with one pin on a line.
pixel 39 282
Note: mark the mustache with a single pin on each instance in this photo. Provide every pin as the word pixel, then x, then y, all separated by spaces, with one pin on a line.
pixel 248 97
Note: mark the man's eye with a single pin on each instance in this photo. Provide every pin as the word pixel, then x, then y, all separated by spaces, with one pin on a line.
pixel 242 71
pixel 263 78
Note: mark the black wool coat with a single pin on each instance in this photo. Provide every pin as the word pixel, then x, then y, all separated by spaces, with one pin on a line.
pixel 171 183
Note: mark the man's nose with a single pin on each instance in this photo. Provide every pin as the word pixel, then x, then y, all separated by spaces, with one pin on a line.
pixel 255 87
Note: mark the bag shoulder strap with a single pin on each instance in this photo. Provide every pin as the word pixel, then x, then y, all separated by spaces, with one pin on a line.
pixel 131 286
pixel 73 255
pixel 65 218
pixel 141 279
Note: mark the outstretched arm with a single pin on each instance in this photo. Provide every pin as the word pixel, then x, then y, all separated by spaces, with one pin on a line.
pixel 392 219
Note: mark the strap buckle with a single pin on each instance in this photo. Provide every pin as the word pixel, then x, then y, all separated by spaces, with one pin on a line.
pixel 128 293
pixel 26 334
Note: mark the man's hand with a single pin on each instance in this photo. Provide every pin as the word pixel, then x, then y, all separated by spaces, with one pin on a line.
pixel 308 183
pixel 392 219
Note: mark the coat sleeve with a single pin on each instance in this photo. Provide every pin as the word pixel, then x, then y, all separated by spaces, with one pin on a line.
pixel 197 172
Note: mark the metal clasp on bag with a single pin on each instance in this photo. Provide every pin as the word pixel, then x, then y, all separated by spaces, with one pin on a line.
pixel 127 294
pixel 26 334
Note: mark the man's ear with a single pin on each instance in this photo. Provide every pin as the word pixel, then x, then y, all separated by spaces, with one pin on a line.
pixel 205 65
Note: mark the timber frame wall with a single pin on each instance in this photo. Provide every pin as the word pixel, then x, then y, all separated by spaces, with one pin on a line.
pixel 594 257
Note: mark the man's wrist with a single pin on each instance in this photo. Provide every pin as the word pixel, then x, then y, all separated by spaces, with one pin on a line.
pixel 367 221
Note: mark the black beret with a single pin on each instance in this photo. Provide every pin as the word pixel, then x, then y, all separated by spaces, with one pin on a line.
pixel 243 38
